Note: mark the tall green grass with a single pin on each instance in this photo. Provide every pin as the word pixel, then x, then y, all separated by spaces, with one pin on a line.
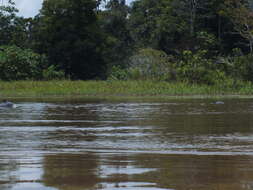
pixel 115 88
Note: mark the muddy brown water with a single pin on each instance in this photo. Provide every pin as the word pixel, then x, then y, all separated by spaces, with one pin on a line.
pixel 89 145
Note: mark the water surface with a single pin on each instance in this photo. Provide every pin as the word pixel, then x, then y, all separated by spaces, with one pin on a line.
pixel 90 145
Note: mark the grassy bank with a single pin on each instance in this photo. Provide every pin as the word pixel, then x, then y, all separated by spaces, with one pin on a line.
pixel 116 88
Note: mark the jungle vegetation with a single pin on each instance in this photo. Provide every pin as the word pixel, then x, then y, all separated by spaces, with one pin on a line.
pixel 205 42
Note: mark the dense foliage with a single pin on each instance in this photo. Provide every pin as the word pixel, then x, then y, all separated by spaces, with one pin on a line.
pixel 19 64
pixel 194 41
pixel 68 32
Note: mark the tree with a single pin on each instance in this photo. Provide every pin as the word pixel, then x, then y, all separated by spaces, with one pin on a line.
pixel 68 32
pixel 114 23
pixel 20 64
pixel 156 24
pixel 189 10
pixel 241 15
pixel 12 28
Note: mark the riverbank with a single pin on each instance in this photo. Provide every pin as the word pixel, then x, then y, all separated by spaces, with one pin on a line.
pixel 36 89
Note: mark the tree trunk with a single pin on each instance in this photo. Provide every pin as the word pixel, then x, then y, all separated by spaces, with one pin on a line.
pixel 193 4
pixel 219 28
pixel 251 45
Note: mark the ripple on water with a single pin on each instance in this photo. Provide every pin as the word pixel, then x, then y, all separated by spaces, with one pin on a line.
pixel 127 145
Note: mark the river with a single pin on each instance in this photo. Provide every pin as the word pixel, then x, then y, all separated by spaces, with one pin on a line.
pixel 127 145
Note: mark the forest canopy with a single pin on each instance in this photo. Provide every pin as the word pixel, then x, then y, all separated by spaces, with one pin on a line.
pixel 195 41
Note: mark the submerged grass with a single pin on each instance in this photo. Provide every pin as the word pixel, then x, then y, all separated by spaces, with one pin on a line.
pixel 116 88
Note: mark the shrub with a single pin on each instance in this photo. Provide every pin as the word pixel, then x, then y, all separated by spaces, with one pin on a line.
pixel 20 64
pixel 206 40
pixel 238 67
pixel 196 68
pixel 242 67
pixel 51 73
pixel 150 64
pixel 117 73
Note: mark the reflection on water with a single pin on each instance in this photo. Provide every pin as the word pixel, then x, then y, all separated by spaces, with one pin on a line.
pixel 189 144
pixel 7 166
pixel 71 171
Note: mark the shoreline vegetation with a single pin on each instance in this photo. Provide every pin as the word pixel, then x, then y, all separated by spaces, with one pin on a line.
pixel 120 90
pixel 163 48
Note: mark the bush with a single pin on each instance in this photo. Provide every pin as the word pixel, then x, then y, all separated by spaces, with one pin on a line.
pixel 117 73
pixel 206 40
pixel 20 64
pixel 196 68
pixel 242 67
pixel 51 73
pixel 238 67
pixel 151 64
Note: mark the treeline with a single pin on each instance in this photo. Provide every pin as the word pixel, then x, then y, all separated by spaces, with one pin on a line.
pixel 196 41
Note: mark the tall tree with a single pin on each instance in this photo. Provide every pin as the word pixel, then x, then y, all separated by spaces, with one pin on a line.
pixel 189 8
pixel 13 29
pixel 241 14
pixel 114 22
pixel 68 32
pixel 156 24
